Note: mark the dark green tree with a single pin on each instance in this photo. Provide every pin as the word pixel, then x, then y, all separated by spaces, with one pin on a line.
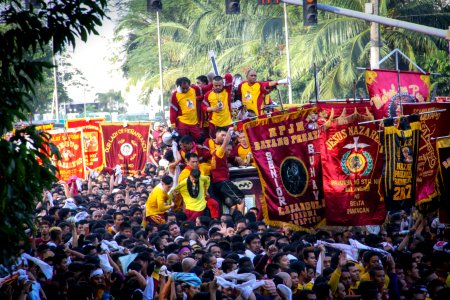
pixel 25 168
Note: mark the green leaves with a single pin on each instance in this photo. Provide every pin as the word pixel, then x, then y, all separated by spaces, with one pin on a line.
pixel 25 167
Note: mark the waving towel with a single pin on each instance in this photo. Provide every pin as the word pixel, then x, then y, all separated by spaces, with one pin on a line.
pixel 190 278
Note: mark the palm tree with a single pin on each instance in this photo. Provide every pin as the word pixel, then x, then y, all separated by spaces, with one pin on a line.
pixel 340 44
pixel 190 29
pixel 254 39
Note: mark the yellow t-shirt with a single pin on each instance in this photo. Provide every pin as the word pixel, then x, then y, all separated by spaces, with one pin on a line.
pixel 223 117
pixel 188 105
pixel 194 204
pixel 212 146
pixel 250 95
pixel 243 152
pixel 156 202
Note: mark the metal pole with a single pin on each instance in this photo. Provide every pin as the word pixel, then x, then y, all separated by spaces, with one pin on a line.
pixel 316 83
pixel 374 35
pixel 288 54
pixel 55 88
pixel 398 117
pixel 160 66
pixel 442 33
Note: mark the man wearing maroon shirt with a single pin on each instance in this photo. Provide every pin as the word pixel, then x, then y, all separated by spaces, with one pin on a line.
pixel 44 228
pixel 223 188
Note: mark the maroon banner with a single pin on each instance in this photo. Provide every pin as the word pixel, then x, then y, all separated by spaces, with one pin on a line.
pixel 385 95
pixel 93 142
pixel 432 125
pixel 70 145
pixel 328 111
pixel 444 163
pixel 126 146
pixel 286 155
pixel 352 168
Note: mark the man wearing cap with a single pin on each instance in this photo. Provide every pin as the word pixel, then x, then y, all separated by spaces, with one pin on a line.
pixel 185 113
pixel 157 132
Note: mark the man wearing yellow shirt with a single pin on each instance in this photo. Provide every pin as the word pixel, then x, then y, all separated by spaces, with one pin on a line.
pixel 252 92
pixel 217 103
pixel 156 205
pixel 192 164
pixel 185 111
pixel 244 154
pixel 193 190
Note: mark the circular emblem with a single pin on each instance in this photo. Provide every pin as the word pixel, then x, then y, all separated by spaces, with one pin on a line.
pixel 394 105
pixel 294 176
pixel 357 163
pixel 126 149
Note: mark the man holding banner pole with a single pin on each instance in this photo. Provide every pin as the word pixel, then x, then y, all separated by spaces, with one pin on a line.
pixel 252 92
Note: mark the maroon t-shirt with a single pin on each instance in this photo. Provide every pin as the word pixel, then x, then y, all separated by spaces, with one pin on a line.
pixel 219 166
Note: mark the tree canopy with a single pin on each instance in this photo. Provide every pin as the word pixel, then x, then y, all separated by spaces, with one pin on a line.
pixel 255 38
pixel 25 168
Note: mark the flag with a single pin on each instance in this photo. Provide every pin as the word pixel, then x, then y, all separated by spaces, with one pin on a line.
pixel 92 138
pixel 443 146
pixel 352 168
pixel 401 146
pixel 70 145
pixel 432 125
pixel 287 159
pixel 385 96
pixel 126 146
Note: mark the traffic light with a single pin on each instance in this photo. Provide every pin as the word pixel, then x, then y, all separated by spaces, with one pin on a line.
pixel 154 5
pixel 232 7
pixel 265 2
pixel 309 12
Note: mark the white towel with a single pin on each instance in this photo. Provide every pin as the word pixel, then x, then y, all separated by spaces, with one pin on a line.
pixel 45 267
pixel 104 263
pixel 126 260
pixel 245 288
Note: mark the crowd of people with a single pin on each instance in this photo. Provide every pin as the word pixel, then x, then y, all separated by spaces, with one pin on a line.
pixel 180 229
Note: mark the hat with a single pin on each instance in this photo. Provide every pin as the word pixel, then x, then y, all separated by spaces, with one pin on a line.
pixel 96 272
pixel 178 238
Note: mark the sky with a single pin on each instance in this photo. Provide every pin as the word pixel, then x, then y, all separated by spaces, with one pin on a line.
pixel 93 60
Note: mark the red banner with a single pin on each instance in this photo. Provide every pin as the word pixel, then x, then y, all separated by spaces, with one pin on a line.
pixel 126 146
pixel 385 95
pixel 444 163
pixel 328 111
pixel 93 142
pixel 70 145
pixel 352 168
pixel 432 125
pixel 286 155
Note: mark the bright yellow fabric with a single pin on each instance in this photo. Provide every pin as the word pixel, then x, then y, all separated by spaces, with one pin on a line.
pixel 334 280
pixel 194 204
pixel 188 105
pixel 243 152
pixel 250 95
pixel 223 117
pixel 156 202
pixel 212 145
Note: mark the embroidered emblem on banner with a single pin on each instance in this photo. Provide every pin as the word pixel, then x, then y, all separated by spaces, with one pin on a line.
pixel 356 161
pixel 126 149
pixel 294 176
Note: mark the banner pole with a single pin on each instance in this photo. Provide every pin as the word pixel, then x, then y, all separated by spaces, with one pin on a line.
pixel 398 117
